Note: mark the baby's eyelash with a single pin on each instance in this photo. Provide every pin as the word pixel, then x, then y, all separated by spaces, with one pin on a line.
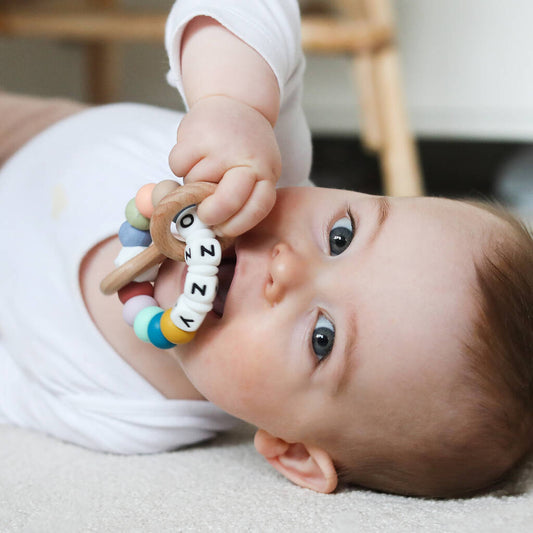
pixel 322 338
pixel 346 212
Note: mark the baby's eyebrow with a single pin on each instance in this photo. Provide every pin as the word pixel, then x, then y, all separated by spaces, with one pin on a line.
pixel 383 207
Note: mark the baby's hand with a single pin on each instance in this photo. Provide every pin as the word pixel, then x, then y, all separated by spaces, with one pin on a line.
pixel 224 141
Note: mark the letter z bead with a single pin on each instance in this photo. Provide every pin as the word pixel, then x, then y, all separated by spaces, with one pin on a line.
pixel 203 252
pixel 200 288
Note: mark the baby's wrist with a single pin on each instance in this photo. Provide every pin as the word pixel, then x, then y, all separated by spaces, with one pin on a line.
pixel 230 100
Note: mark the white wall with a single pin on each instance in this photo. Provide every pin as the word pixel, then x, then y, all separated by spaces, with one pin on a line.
pixel 468 71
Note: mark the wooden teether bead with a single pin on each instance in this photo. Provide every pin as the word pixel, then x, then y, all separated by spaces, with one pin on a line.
pixel 134 217
pixel 143 200
pixel 130 236
pixel 135 289
pixel 172 332
pixel 162 189
pixel 129 252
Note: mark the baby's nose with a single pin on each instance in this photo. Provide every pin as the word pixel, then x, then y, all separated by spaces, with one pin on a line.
pixel 287 270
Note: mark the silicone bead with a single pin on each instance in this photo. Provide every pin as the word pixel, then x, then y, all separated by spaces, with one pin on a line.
pixel 200 288
pixel 130 236
pixel 172 332
pixel 162 189
pixel 187 221
pixel 143 200
pixel 126 253
pixel 156 335
pixel 129 252
pixel 135 289
pixel 149 275
pixel 135 305
pixel 184 316
pixel 135 218
pixel 140 326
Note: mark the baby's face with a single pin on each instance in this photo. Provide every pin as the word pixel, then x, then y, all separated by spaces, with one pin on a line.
pixel 346 313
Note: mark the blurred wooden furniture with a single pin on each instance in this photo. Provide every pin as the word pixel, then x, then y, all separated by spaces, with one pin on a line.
pixel 364 30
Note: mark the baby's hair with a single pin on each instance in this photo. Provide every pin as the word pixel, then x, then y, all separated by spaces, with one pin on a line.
pixel 496 432
pixel 500 349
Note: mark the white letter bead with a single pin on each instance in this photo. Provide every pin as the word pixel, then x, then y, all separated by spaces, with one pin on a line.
pixel 203 252
pixel 184 317
pixel 200 288
pixel 199 307
pixel 187 221
pixel 203 270
pixel 205 233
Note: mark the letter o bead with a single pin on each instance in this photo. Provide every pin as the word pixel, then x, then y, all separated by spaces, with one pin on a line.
pixel 172 332
pixel 187 222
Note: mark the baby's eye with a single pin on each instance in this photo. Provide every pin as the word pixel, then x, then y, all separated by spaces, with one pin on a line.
pixel 323 337
pixel 340 235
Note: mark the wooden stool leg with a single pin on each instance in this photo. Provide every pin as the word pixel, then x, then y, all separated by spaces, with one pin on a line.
pixel 103 71
pixel 399 160
pixel 103 65
pixel 363 72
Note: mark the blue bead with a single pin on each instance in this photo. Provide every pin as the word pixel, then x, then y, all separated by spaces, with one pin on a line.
pixel 156 335
pixel 130 236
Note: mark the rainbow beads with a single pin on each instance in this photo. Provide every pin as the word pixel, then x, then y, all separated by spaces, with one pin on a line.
pixel 151 323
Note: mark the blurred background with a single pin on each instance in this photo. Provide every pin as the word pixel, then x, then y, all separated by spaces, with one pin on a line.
pixel 466 69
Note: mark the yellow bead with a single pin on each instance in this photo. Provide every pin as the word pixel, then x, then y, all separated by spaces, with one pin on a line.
pixel 172 332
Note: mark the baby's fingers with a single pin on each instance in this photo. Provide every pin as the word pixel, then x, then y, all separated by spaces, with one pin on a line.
pixel 231 194
pixel 183 157
pixel 257 207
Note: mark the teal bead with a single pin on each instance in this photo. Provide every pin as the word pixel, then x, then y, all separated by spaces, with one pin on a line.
pixel 156 335
pixel 142 321
pixel 135 218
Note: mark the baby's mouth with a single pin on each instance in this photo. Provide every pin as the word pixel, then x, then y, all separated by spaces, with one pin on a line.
pixel 226 270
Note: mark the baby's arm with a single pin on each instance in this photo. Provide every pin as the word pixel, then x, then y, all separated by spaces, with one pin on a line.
pixel 227 136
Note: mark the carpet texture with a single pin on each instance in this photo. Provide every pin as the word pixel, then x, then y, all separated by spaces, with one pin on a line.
pixel 50 486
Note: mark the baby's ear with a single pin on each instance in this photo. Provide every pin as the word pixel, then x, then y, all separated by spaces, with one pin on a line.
pixel 307 466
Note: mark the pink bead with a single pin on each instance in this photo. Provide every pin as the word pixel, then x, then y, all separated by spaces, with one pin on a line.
pixel 143 200
pixel 134 305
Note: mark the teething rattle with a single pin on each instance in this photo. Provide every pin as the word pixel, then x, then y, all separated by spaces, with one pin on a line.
pixel 147 239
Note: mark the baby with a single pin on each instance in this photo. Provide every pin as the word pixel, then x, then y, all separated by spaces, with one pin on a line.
pixel 385 342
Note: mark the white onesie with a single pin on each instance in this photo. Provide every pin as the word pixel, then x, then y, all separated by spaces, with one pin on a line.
pixel 60 195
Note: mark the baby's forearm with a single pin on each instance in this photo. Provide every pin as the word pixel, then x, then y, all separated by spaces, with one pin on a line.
pixel 216 62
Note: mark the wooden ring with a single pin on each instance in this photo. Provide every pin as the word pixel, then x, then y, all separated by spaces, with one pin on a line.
pixel 165 244
pixel 168 208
